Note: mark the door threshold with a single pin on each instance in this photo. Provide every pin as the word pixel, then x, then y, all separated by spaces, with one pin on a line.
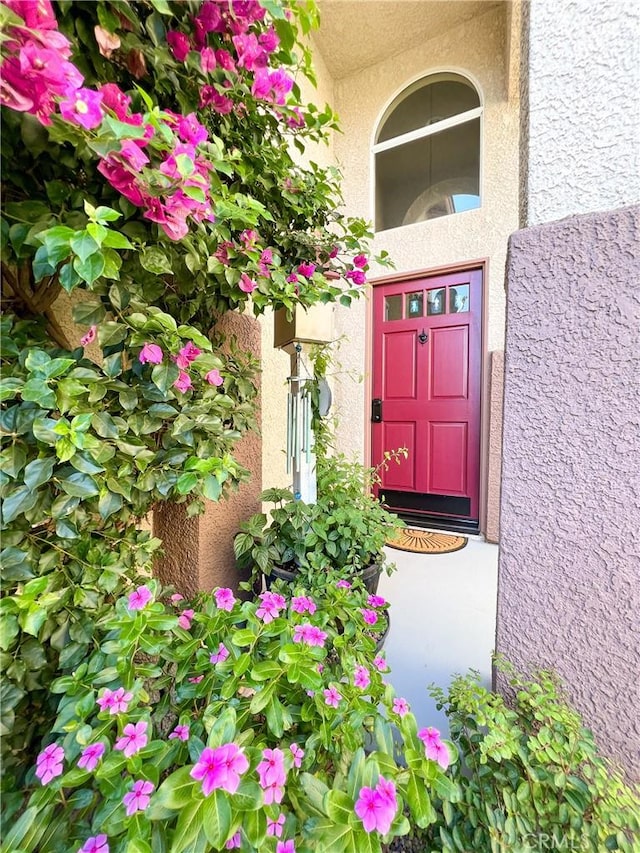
pixel 455 525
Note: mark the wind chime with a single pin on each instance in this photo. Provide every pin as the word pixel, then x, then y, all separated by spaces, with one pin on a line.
pixel 299 416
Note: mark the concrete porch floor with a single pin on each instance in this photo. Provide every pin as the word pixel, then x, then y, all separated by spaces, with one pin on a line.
pixel 443 621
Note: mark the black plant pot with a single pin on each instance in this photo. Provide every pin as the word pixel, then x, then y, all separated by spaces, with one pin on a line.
pixel 369 576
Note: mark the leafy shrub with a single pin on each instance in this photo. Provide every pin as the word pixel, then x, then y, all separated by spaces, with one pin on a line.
pixel 135 751
pixel 530 777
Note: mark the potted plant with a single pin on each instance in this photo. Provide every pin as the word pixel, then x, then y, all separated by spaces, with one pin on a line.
pixel 344 531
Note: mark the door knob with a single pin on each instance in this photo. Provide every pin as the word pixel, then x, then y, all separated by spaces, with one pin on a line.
pixel 423 337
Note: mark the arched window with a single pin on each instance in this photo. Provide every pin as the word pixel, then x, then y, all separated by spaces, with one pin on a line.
pixel 427 152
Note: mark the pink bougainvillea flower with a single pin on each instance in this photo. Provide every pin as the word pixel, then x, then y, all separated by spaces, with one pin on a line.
pixel 360 261
pixel 246 284
pixel 306 269
pixel 191 130
pixel 286 846
pixel 332 697
pixel 113 98
pixel 210 97
pixel 297 119
pixel 37 14
pixel 376 601
pixel 150 354
pixel 234 841
pixel 297 753
pixel 95 844
pixel 196 679
pixel 91 755
pixel 89 337
pixel 343 585
pixel 208 60
pixel 400 706
pixel 274 827
pixel 309 634
pixel 138 797
pixel 361 677
pixel 269 40
pixel 369 616
pixel 183 382
pixel 210 16
pixel 266 257
pixel 176 597
pixel 380 664
pixel 179 44
pixel 213 377
pixel 303 604
pixel 273 794
pixel 83 107
pixel 107 42
pixel 376 807
pixel 251 54
pixel 134 738
pixel 187 354
pixel 225 60
pixel 184 620
pixel 225 599
pixel 270 607
pixel 433 747
pixel 356 276
pixel 139 598
pixel 49 763
pixel 220 768
pixel 271 769
pixel 180 732
pixel 221 655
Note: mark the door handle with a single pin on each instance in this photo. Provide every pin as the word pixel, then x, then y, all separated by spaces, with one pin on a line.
pixel 376 410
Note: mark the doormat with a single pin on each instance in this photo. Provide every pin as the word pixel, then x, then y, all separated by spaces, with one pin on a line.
pixel 426 542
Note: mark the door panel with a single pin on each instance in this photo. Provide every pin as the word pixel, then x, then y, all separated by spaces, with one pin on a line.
pixel 427 354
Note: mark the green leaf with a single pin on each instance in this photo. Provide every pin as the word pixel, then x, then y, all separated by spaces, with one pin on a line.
pixel 186 482
pixel 162 6
pixel 88 312
pixel 109 503
pixel 79 486
pixel 12 460
pixel 38 471
pixel 91 269
pixel 43 265
pixel 164 375
pixel 104 425
pixel 37 391
pixel 212 489
pixel 116 240
pixel 122 130
pixel 68 277
pixel 217 818
pixel 19 501
pixel 84 245
pixel 189 836
pixel 175 792
pixel 154 260
pixel 106 214
pixel 111 333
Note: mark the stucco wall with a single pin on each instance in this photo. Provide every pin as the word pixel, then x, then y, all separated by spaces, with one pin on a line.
pixel 477 48
pixel 583 107
pixel 569 571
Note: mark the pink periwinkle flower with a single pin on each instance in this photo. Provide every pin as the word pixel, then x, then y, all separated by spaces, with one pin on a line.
pixel 183 382
pixel 184 620
pixel 49 763
pixel 221 655
pixel 89 337
pixel 332 697
pixel 134 738
pixel 376 807
pixel 180 733
pixel 274 827
pixel 356 276
pixel 361 677
pixel 376 601
pixel 342 584
pixel 115 701
pixel 369 616
pixel 306 269
pixel 380 664
pixel 360 261
pixel 179 44
pixel 273 794
pixel 246 284
pixel 434 749
pixel 400 706
pixel 220 768
pixel 271 769
pixel 286 846
pixel 95 844
pixel 225 598
pixel 139 598
pixel 138 797
pixel 213 377
pixel 91 755
pixel 83 107
pixel 270 607
pixel 150 354
pixel 303 604
pixel 234 841
pixel 297 753
pixel 196 679
pixel 309 634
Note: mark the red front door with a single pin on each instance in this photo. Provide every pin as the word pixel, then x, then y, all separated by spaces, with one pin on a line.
pixel 426 395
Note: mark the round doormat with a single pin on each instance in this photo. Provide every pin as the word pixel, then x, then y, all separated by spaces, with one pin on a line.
pixel 426 542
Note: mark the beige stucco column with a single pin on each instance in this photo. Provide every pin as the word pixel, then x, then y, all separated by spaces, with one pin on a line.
pixel 198 552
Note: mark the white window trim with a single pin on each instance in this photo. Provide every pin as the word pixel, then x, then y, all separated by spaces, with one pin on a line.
pixel 429 130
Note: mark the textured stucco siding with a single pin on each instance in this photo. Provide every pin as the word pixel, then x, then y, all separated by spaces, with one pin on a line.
pixel 483 50
pixel 583 107
pixel 569 571
pixel 496 389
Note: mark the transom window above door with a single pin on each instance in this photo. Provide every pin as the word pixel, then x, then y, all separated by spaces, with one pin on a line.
pixel 427 152
pixel 437 300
